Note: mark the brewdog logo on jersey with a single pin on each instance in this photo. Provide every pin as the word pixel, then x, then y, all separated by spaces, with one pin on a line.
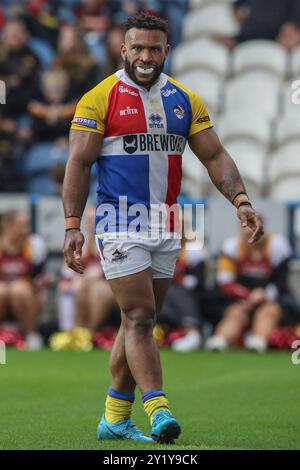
pixel 153 143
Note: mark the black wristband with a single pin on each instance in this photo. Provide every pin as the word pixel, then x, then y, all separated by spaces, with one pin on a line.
pixel 238 194
pixel 244 203
pixel 74 228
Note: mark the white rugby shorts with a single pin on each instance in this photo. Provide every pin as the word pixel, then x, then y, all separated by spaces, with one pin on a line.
pixel 124 256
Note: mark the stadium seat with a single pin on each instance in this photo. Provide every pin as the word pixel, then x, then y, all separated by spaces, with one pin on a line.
pixel 287 129
pixel 192 171
pixel 284 172
pixel 201 54
pixel 260 55
pixel 206 84
pixel 251 163
pixel 212 18
pixel 243 125
pixel 291 99
pixel 253 91
pixel 194 4
pixel 295 63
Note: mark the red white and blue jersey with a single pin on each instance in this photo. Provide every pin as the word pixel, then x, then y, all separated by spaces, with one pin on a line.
pixel 144 137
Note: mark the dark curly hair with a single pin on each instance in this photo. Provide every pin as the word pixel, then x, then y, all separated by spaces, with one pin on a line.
pixel 145 21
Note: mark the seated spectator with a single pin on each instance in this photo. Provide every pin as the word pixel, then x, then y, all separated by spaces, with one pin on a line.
pixel 94 17
pixel 85 300
pixel 253 281
pixel 18 69
pixel 115 37
pixel 73 57
pixel 53 108
pixel 22 260
pixel 270 19
pixel 180 309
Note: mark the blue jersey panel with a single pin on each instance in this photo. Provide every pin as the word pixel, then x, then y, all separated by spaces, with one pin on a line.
pixel 178 109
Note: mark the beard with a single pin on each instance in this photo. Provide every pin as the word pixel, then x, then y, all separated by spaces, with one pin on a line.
pixel 129 69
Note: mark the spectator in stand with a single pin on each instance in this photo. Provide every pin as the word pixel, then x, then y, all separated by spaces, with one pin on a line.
pixel 22 261
pixel 73 57
pixel 85 300
pixel 53 108
pixel 115 37
pixel 180 309
pixel 253 282
pixel 18 69
pixel 271 19
pixel 94 17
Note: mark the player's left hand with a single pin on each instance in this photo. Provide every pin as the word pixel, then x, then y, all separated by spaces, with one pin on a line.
pixel 250 218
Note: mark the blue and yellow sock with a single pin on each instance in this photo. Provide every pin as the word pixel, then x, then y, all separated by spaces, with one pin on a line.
pixel 154 401
pixel 118 406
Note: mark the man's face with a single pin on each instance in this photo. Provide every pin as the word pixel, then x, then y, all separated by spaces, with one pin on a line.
pixel 144 53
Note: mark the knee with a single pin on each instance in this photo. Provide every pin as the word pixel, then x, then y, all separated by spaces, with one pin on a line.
pixel 140 320
pixel 21 289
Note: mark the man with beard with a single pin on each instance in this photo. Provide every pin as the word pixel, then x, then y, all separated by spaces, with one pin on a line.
pixel 135 125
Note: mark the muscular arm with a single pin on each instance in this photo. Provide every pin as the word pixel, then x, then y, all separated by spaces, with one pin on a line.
pixel 84 150
pixel 221 168
pixel 224 174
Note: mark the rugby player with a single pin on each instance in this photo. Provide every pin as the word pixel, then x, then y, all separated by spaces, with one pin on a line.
pixel 134 125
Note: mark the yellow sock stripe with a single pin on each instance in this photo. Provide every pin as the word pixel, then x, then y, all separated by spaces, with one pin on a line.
pixel 152 405
pixel 116 409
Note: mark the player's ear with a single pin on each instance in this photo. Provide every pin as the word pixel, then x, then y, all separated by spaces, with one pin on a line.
pixel 167 49
pixel 123 50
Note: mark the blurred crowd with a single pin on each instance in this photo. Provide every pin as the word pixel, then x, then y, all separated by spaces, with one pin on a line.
pixel 248 304
pixel 52 52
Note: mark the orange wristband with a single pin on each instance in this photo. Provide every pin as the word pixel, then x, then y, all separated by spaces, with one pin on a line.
pixel 239 199
pixel 72 222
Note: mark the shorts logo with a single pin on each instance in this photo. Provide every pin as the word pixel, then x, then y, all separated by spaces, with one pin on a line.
pixel 128 111
pixel 81 121
pixel 168 92
pixel 123 89
pixel 179 111
pixel 130 143
pixel 119 256
pixel 155 121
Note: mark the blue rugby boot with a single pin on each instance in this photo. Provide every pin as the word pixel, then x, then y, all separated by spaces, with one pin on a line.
pixel 165 428
pixel 122 430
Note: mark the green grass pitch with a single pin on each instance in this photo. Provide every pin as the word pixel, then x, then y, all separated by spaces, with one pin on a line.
pixel 235 400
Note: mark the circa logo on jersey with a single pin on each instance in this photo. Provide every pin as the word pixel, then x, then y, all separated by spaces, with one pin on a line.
pixel 155 121
pixel 123 89
pixel 82 121
pixel 179 111
pixel 128 111
pixel 168 92
pixel 153 143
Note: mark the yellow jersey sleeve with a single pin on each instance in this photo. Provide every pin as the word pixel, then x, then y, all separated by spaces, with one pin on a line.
pixel 91 110
pixel 200 116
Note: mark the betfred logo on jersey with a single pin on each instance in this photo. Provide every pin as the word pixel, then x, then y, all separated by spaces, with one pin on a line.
pixel 82 121
pixel 154 143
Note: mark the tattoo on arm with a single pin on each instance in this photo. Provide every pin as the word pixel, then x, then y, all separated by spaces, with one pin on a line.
pixel 230 184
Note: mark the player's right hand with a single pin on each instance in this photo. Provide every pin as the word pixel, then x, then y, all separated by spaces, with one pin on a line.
pixel 73 244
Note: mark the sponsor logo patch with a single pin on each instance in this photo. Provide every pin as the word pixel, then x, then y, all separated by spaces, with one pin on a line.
pixel 168 92
pixel 203 119
pixel 82 121
pixel 153 143
pixel 179 111
pixel 156 121
pixel 119 256
pixel 123 89
pixel 128 111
